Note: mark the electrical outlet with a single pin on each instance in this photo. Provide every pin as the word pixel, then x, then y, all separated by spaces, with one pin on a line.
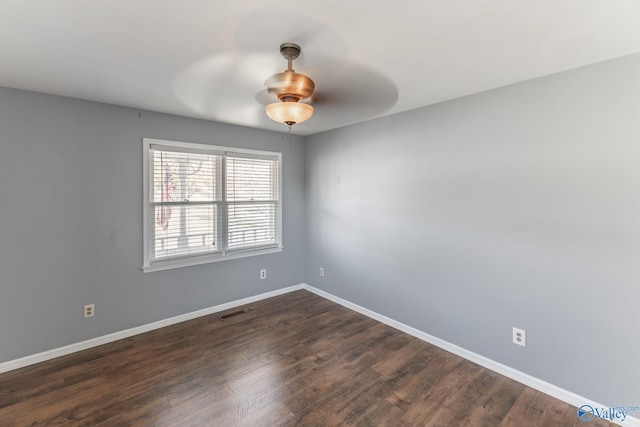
pixel 520 337
pixel 321 271
pixel 263 273
pixel 89 310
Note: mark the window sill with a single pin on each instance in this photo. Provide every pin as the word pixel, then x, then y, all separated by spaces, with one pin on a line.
pixel 177 263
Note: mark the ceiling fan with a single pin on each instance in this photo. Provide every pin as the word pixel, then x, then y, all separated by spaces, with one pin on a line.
pixel 342 91
pixel 289 87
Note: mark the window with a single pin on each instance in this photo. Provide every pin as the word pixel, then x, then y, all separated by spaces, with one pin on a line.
pixel 205 203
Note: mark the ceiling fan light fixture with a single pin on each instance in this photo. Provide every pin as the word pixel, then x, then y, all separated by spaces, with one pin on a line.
pixel 289 87
pixel 288 112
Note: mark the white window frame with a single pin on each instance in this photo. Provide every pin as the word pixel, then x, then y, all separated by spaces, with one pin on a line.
pixel 196 259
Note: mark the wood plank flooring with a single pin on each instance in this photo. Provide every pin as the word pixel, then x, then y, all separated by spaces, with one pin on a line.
pixel 292 360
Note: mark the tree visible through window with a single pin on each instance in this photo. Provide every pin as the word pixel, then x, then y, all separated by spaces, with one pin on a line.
pixel 207 203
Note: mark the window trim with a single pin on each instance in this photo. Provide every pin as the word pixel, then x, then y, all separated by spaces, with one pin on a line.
pixel 159 265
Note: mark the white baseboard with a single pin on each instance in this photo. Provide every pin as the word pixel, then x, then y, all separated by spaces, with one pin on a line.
pixel 528 380
pixel 105 339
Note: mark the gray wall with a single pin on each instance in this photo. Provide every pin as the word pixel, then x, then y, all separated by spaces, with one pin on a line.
pixel 515 207
pixel 71 222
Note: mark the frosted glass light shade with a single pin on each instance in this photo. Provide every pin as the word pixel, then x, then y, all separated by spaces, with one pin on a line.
pixel 289 113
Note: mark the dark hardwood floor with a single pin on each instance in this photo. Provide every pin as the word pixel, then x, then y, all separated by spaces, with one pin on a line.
pixel 292 360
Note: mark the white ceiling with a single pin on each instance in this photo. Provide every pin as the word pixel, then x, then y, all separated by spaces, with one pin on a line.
pixel 369 58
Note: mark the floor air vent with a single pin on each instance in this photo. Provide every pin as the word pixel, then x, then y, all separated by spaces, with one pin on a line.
pixel 228 315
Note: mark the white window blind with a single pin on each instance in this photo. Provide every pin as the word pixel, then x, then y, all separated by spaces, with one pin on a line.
pixel 252 201
pixel 206 204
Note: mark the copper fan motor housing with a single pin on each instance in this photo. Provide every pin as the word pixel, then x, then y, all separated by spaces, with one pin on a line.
pixel 290 86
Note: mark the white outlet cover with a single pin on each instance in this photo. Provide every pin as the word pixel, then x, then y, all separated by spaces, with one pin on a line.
pixel 263 273
pixel 89 310
pixel 322 271
pixel 519 337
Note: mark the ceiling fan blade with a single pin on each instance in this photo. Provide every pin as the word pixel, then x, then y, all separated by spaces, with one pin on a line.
pixel 263 98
